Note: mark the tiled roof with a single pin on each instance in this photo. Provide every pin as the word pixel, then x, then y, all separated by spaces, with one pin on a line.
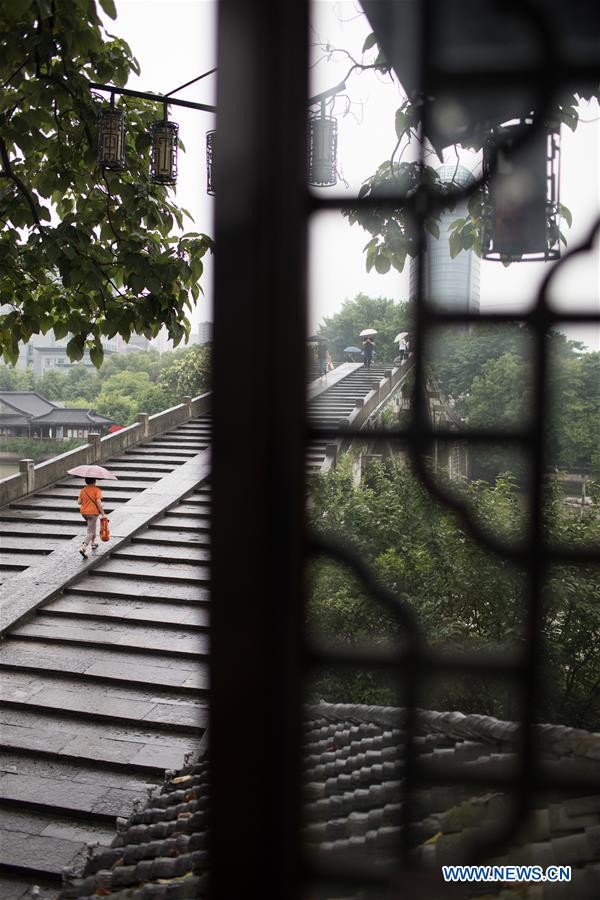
pixel 75 416
pixel 15 419
pixel 28 402
pixel 158 850
pixel 36 410
pixel 353 795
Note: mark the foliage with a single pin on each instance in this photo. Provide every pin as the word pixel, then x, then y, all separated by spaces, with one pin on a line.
pixel 31 448
pixel 464 598
pixel 343 328
pixel 83 252
pixel 125 385
pixel 189 375
pixel 501 395
pixel 393 232
pixel 488 373
pixel 574 433
pixel 457 357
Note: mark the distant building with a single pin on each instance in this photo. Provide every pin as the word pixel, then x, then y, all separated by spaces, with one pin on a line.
pixel 451 284
pixel 44 352
pixel 205 333
pixel 161 342
pixel 28 414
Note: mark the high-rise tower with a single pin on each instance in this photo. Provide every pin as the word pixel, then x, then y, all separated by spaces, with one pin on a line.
pixel 452 284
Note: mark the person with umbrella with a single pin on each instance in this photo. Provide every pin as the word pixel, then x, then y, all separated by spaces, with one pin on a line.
pixel 401 340
pixel 322 355
pixel 90 502
pixel 368 345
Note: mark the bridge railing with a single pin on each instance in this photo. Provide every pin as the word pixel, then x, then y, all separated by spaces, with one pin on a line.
pixel 363 409
pixel 33 477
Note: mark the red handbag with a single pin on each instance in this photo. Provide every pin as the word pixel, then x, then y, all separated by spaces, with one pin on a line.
pixel 104 529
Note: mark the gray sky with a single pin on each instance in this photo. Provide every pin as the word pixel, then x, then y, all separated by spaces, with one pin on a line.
pixel 174 41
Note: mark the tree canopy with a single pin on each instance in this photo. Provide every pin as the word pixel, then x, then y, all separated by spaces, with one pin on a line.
pixel 392 230
pixel 84 252
pixel 125 385
pixel 464 598
pixel 488 374
pixel 384 315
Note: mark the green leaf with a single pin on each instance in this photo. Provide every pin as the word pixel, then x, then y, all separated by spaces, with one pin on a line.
pixel 433 228
pixel 370 41
pixel 97 354
pixel 382 264
pixel 75 347
pixel 109 8
pixel 16 8
pixel 455 244
pixel 400 123
pixel 566 214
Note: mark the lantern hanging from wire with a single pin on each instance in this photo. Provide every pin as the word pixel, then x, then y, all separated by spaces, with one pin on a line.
pixel 210 146
pixel 165 145
pixel 111 137
pixel 522 210
pixel 322 150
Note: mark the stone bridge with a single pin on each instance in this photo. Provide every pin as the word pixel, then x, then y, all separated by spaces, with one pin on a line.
pixel 103 664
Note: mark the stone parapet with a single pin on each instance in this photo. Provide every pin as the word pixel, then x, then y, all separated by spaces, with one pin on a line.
pixel 99 449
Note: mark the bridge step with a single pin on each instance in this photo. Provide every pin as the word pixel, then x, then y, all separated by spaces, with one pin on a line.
pixel 11 558
pixel 10 539
pixel 141 550
pixel 43 516
pixel 110 665
pixel 155 569
pixel 188 509
pixel 199 499
pixel 60 505
pixel 139 707
pixel 160 535
pixel 196 524
pixel 129 636
pixel 131 483
pixel 159 451
pixel 71 738
pixel 156 460
pixel 111 493
pixel 118 466
pixel 113 584
pixel 167 613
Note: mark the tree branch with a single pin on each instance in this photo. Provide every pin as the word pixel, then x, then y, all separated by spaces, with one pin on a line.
pixel 16 72
pixel 108 215
pixel 22 187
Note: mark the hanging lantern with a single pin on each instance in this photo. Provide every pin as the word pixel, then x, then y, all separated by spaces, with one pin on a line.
pixel 111 137
pixel 210 143
pixel 165 141
pixel 522 215
pixel 322 150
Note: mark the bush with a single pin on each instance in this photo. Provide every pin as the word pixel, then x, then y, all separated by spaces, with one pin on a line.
pixel 38 450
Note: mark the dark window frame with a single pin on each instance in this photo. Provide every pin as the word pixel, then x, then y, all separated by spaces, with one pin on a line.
pixel 259 546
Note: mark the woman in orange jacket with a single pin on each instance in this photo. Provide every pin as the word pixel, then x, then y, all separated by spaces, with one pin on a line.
pixel 90 506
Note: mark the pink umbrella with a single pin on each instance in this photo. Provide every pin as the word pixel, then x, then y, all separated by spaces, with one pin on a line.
pixel 92 472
